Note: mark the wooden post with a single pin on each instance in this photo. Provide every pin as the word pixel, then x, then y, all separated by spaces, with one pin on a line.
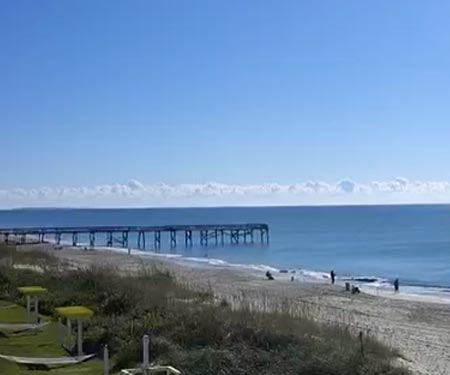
pixel 68 338
pixel 60 335
pixel 28 309
pixel 105 360
pixel 188 237
pixel 36 309
pixel 173 238
pixel 92 239
pixel 145 353
pixel 361 340
pixel 124 239
pixel 141 240
pixel 204 237
pixel 157 239
pixel 80 337
pixel 109 239
pixel 234 236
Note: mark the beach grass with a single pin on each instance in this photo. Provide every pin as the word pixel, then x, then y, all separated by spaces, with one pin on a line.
pixel 189 328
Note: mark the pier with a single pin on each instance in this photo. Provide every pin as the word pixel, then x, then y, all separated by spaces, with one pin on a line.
pixel 233 234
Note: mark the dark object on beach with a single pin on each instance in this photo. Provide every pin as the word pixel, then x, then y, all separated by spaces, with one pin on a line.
pixel 283 271
pixel 396 285
pixel 347 287
pixel 365 279
pixel 292 278
pixel 269 275
pixel 355 290
pixel 333 276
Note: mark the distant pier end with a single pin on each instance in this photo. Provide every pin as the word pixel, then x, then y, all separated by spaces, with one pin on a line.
pixel 119 235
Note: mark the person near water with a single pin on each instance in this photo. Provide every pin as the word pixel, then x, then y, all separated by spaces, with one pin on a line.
pixel 396 285
pixel 333 276
pixel 269 275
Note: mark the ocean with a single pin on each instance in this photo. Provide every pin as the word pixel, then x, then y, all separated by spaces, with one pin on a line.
pixel 372 244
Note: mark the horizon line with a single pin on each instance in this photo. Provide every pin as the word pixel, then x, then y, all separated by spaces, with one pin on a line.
pixel 340 205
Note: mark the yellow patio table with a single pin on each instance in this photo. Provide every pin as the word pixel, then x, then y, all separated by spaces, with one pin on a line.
pixel 35 292
pixel 78 313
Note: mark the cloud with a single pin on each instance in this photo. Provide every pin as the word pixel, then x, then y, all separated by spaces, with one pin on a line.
pixel 346 186
pixel 137 194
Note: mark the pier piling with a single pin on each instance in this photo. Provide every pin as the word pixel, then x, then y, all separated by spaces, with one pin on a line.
pixel 173 238
pixel 91 239
pixel 219 233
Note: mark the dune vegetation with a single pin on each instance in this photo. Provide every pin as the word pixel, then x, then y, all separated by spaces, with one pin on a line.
pixel 190 330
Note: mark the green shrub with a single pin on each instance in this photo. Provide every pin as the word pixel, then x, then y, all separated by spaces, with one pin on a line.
pixel 188 329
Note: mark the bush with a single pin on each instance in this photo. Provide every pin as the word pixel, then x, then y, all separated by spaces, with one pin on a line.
pixel 189 329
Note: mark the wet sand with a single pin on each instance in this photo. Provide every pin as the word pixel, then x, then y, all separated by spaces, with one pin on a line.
pixel 420 330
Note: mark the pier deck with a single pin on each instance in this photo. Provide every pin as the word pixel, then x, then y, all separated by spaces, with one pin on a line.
pixel 217 234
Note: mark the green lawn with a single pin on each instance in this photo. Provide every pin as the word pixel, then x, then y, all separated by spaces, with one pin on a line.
pixel 4 303
pixel 16 314
pixel 36 344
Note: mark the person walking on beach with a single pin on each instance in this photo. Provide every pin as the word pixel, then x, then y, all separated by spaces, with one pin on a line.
pixel 333 276
pixel 396 285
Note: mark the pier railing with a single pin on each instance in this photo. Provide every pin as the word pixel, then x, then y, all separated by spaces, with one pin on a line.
pixel 207 234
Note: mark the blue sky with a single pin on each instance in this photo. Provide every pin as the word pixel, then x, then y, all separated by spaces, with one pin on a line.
pixel 238 92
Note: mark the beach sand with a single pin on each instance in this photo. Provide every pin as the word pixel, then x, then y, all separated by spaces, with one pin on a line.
pixel 419 329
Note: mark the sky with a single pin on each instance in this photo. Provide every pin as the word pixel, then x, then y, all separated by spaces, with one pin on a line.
pixel 137 97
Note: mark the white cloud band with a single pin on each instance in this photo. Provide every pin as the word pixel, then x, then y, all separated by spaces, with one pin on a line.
pixel 137 194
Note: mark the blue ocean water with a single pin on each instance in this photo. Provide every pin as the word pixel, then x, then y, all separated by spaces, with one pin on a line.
pixel 407 242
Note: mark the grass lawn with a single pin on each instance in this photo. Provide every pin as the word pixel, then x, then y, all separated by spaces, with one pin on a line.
pixel 36 344
pixel 17 314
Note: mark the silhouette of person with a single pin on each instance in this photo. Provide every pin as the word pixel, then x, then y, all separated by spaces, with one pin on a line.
pixel 333 276
pixel 396 285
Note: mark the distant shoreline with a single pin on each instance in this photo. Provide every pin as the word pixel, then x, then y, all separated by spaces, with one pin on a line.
pixel 411 292
pixel 199 207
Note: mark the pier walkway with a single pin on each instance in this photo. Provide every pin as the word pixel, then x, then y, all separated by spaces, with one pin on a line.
pixel 207 234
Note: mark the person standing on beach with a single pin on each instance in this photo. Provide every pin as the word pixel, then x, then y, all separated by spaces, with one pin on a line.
pixel 396 285
pixel 333 276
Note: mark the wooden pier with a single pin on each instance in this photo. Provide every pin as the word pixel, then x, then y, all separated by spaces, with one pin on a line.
pixel 233 234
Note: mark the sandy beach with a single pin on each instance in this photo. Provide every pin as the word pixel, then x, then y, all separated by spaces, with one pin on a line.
pixel 419 329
